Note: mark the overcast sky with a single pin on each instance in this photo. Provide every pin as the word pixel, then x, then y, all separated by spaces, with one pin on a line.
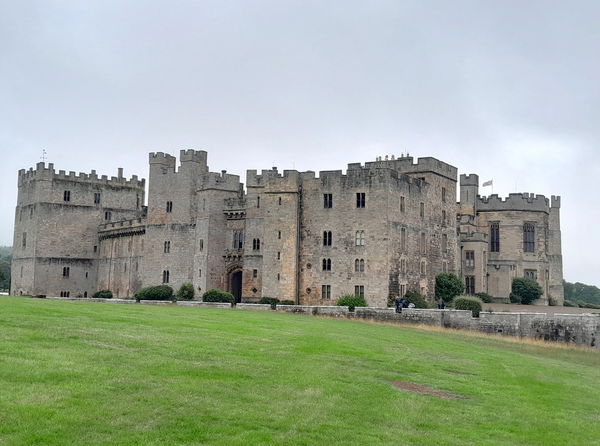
pixel 508 90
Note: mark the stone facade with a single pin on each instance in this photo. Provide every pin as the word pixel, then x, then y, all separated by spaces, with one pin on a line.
pixel 380 229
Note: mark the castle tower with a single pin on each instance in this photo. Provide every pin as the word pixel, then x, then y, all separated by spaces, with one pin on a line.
pixel 469 189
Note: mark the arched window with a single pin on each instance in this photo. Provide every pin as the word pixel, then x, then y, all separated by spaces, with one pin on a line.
pixel 256 244
pixel 495 237
pixel 360 238
pixel 326 264
pixel 359 265
pixel 528 237
pixel 166 276
pixel 326 238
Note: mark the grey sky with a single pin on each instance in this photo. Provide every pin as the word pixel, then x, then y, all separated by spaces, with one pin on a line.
pixel 508 90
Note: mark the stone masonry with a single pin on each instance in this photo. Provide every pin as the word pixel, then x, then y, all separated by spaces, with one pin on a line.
pixel 378 230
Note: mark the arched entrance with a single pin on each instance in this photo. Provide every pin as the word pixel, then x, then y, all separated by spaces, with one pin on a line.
pixel 235 285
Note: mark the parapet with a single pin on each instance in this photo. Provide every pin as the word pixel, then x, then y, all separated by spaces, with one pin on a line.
pixel 41 172
pixel 273 179
pixel 406 165
pixel 514 202
pixel 555 201
pixel 221 181
pixel 162 158
pixel 471 179
pixel 193 156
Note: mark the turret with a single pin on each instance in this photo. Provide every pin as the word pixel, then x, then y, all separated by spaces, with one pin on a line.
pixel 469 189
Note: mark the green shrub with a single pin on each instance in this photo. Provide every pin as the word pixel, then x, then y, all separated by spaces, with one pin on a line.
pixel 273 301
pixel 287 302
pixel 218 296
pixel 514 299
pixel 448 286
pixel 485 298
pixel 568 303
pixel 588 305
pixel 416 299
pixel 160 292
pixel 468 303
pixel 186 291
pixel 527 289
pixel 351 302
pixel 103 294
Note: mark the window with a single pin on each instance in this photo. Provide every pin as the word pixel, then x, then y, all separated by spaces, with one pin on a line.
pixel 402 207
pixel 327 201
pixel 255 273
pixel 21 271
pixel 326 238
pixel 495 237
pixel 167 247
pixel 95 248
pixel 200 272
pixel 24 240
pixel 169 206
pixel 444 243
pixel 423 267
pixel 279 201
pixel 359 290
pixel 403 239
pixel 531 274
pixel 137 201
pixel 443 218
pixel 470 259
pixel 125 268
pixel 201 244
pixel 67 195
pixel 444 266
pixel 528 237
pixel 238 240
pixel 108 215
pixel 278 255
pixel 360 238
pixel 278 276
pixel 326 292
pixel 256 244
pixel 257 202
pixel 422 210
pixel 359 265
pixel 402 290
pixel 360 200
pixel 326 264
pixel 470 284
pixel 85 294
pixel 66 271
pixel 443 194
pixel 97 198
pixel 31 212
pixel 166 275
pixel 65 293
pixel 422 245
pixel 279 234
pixel 403 266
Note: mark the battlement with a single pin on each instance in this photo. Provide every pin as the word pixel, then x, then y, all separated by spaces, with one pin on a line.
pixel 555 201
pixel 41 172
pixel 471 179
pixel 406 164
pixel 193 156
pixel 514 202
pixel 162 158
pixel 221 181
pixel 272 177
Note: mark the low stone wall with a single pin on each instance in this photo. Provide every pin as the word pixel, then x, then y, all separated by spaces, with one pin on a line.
pixel 580 329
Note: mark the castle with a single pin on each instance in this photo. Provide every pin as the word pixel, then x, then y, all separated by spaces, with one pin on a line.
pixel 379 230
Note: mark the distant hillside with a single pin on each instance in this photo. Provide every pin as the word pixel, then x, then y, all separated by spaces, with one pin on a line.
pixel 582 293
pixel 5 259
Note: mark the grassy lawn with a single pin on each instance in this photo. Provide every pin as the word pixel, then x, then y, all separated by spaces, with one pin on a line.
pixel 90 373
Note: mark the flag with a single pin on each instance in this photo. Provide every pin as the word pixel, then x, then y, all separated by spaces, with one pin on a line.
pixel 488 183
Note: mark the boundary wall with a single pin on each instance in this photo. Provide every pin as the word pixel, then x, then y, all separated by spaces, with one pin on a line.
pixel 579 329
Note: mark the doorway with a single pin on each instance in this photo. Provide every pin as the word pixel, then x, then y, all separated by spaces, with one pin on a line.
pixel 235 285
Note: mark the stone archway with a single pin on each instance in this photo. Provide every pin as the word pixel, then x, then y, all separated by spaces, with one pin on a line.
pixel 235 284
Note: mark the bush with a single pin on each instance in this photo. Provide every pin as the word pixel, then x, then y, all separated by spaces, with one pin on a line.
pixel 287 302
pixel 588 305
pixel 568 303
pixel 415 298
pixel 218 296
pixel 160 292
pixel 527 289
pixel 448 286
pixel 351 302
pixel 273 301
pixel 103 294
pixel 186 291
pixel 468 303
pixel 514 299
pixel 485 298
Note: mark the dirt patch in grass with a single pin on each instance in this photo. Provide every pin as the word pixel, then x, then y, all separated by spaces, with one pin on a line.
pixel 458 372
pixel 424 390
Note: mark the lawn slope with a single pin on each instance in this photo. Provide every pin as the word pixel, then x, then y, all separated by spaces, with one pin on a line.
pixel 92 373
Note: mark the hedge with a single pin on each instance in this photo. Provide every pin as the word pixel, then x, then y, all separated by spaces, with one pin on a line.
pixel 160 292
pixel 468 303
pixel 103 294
pixel 218 296
pixel 186 291
pixel 351 302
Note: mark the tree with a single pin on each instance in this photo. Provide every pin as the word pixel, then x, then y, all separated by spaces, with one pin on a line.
pixel 448 286
pixel 526 290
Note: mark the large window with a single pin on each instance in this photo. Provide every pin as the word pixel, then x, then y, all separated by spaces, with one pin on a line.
pixel 359 290
pixel 470 259
pixel 97 198
pixel 360 200
pixel 528 237
pixel 470 284
pixel 326 264
pixel 327 201
pixel 326 292
pixel 495 237
pixel 359 265
pixel 256 244
pixel 360 238
pixel 531 274
pixel 169 207
pixel 238 240
pixel 67 195
pixel 326 238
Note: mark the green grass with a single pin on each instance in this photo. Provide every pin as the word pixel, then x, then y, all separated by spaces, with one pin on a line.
pixel 88 373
